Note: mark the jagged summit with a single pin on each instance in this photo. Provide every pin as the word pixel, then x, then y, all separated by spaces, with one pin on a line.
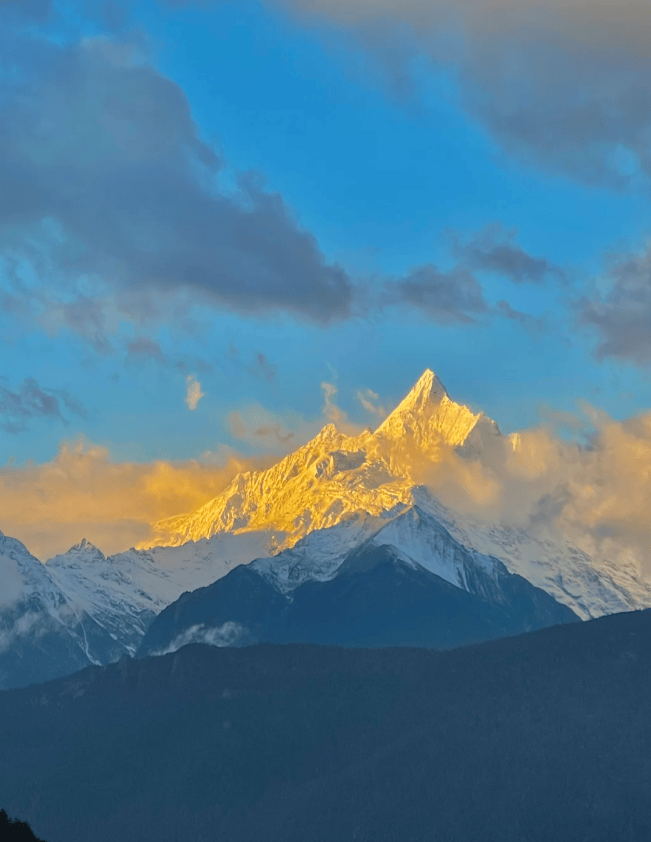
pixel 78 554
pixel 428 419
pixel 84 545
pixel 428 391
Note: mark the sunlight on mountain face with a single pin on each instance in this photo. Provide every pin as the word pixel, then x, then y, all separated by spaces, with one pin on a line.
pixel 531 498
pixel 334 475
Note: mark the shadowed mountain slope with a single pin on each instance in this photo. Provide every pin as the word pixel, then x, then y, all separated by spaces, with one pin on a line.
pixel 378 597
pixel 542 737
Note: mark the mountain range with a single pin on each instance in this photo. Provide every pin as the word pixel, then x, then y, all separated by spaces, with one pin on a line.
pixel 342 541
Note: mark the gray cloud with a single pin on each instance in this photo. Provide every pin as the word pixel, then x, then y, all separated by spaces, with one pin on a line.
pixel 562 83
pixel 114 14
pixel 145 348
pixel 86 317
pixel 111 195
pixel 105 177
pixel 532 324
pixel 31 401
pixel 260 367
pixel 445 297
pixel 264 368
pixel 38 10
pixel 621 313
pixel 495 250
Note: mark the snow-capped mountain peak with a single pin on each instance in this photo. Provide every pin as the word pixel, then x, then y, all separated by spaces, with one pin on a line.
pixel 80 553
pixel 352 482
pixel 84 544
pixel 427 392
pixel 335 475
pixel 428 418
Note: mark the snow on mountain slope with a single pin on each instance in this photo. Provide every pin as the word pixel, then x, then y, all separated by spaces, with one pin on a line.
pixel 335 475
pixel 43 634
pixel 341 481
pixel 590 586
pixel 124 592
pixel 312 488
pixel 429 534
pixel 319 555
pixel 301 518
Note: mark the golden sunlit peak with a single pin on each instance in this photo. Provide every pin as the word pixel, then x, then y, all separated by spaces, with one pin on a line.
pixel 427 392
pixel 428 388
pixel 335 474
pixel 328 431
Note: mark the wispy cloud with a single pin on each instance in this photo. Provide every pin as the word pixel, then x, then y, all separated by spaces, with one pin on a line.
pixel 144 348
pixel 496 250
pixel 29 401
pixel 369 400
pixel 228 634
pixel 619 310
pixel 194 393
pixel 264 368
pixel 264 430
pixel 532 324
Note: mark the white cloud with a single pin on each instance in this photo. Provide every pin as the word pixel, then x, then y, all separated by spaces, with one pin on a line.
pixel 228 634
pixel 194 393
pixel 29 623
pixel 369 400
pixel 595 494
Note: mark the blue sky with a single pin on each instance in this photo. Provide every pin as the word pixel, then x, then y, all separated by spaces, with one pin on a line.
pixel 264 199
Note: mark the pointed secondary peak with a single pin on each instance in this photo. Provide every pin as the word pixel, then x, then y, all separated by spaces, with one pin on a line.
pixel 328 431
pixel 85 546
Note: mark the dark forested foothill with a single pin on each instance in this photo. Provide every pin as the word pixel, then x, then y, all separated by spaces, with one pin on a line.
pixel 541 737
pixel 13 830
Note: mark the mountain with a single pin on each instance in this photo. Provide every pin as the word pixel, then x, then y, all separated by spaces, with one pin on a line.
pixel 352 483
pixel 538 737
pixel 43 634
pixel 302 517
pixel 335 475
pixel 124 592
pixel 440 596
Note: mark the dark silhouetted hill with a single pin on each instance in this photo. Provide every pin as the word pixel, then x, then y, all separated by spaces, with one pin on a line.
pixel 13 830
pixel 540 738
